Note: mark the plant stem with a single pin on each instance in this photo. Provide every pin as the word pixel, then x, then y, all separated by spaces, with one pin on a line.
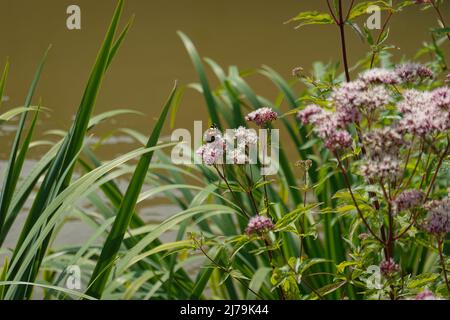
pixel 442 259
pixel 441 17
pixel 411 176
pixel 441 160
pixel 349 187
pixel 222 176
pixel 199 245
pixel 383 28
pixel 341 24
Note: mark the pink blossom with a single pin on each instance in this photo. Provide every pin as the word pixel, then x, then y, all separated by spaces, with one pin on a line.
pixel 212 153
pixel 380 76
pixel 441 98
pixel 262 116
pixel 426 295
pixel 307 115
pixel 338 139
pixel 421 114
pixel 408 199
pixel 259 225
pixel 389 267
pixel 411 72
pixel 438 219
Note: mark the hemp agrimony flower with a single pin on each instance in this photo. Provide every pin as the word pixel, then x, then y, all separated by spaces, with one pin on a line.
pixel 411 72
pixel 407 200
pixel 259 225
pixel 389 267
pixel 262 116
pixel 426 295
pixel 438 219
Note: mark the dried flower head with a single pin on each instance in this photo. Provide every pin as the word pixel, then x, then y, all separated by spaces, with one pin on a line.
pixel 262 116
pixel 407 200
pixel 364 236
pixel 297 72
pixel 304 164
pixel 438 219
pixel 259 225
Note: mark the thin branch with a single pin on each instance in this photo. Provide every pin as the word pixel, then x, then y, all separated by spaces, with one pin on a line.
pixel 349 187
pixel 441 160
pixel 444 267
pixel 343 44
pixel 441 17
pixel 331 12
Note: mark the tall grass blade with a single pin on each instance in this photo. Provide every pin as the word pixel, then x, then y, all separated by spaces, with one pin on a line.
pixel 62 166
pixel 197 61
pixel 112 245
pixel 13 167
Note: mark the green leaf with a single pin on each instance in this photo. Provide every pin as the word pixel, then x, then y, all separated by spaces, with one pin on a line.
pixel 112 245
pixel 361 8
pixel 60 172
pixel 13 167
pixel 3 81
pixel 257 281
pixel 331 288
pixel 311 17
pixel 422 280
pixel 441 30
pixel 207 93
pixel 7 116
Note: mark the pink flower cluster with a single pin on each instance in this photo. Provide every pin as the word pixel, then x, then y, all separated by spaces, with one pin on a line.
pixel 389 267
pixel 426 295
pixel 212 153
pixel 386 168
pixel 421 113
pixel 407 200
pixel 240 153
pixel 259 225
pixel 327 126
pixel 352 98
pixel 218 146
pixel 262 116
pixel 412 72
pixel 425 113
pixel 382 158
pixel 380 76
pixel 438 219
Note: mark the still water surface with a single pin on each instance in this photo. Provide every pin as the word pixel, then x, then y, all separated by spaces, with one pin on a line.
pixel 247 33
